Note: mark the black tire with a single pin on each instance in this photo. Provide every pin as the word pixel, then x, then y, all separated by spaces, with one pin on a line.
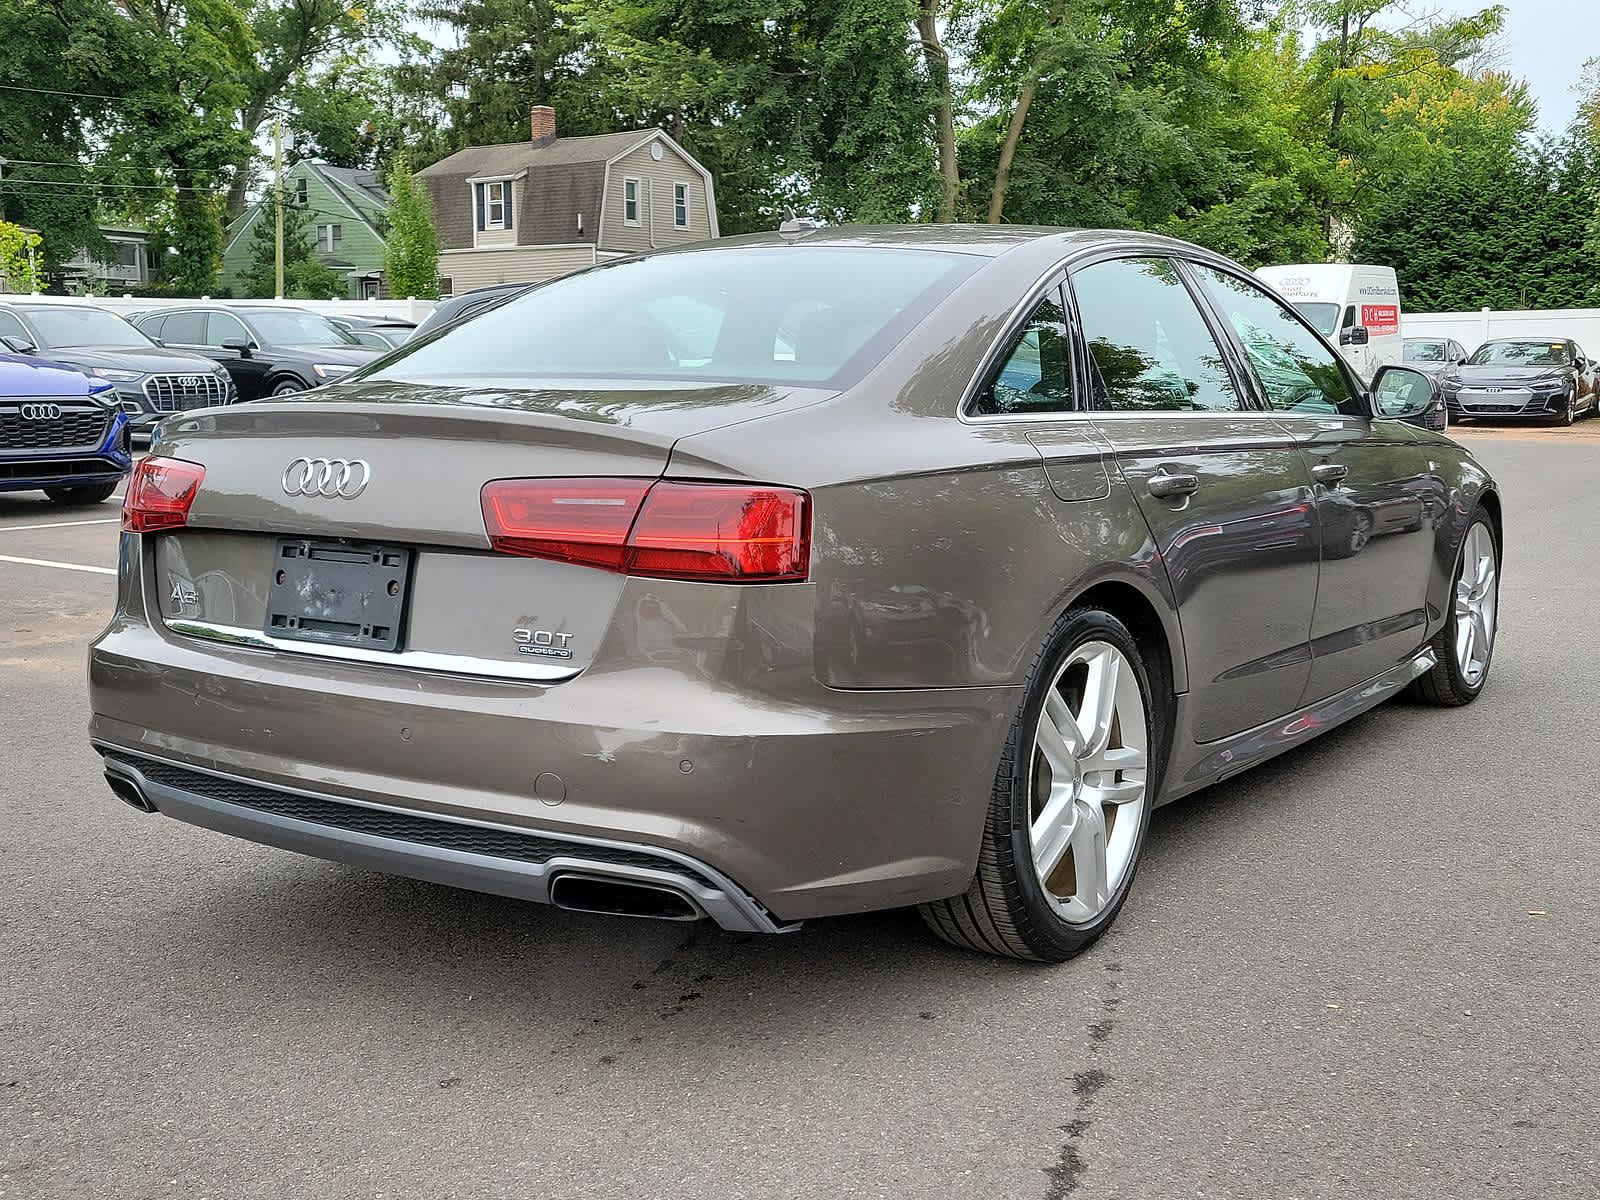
pixel 1569 417
pixel 1004 910
pixel 94 493
pixel 287 387
pixel 1445 685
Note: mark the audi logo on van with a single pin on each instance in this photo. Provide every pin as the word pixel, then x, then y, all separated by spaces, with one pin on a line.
pixel 41 412
pixel 331 478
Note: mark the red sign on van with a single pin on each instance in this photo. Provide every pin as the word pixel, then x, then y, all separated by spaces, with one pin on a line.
pixel 1380 318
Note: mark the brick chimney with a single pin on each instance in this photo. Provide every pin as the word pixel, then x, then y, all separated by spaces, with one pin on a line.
pixel 542 124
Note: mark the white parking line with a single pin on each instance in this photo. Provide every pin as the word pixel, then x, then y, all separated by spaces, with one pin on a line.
pixel 57 525
pixel 44 562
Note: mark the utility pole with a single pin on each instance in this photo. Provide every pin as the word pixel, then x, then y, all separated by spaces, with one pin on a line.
pixel 277 200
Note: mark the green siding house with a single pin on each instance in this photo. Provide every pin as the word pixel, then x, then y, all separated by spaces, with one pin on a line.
pixel 344 209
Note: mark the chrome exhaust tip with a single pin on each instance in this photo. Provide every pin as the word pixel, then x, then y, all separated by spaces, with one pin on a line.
pixel 621 897
pixel 128 792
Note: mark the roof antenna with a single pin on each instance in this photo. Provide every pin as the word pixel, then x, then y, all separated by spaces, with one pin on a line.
pixel 794 228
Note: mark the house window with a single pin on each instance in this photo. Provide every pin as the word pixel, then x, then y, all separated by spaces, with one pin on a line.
pixel 630 201
pixel 128 254
pixel 300 192
pixel 680 205
pixel 493 202
pixel 329 237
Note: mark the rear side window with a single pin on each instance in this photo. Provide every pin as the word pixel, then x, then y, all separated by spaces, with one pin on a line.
pixel 186 329
pixel 1296 369
pixel 781 314
pixel 1033 377
pixel 1149 347
pixel 11 327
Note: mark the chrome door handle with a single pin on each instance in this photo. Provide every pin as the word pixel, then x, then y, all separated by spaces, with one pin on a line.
pixel 1168 486
pixel 1329 473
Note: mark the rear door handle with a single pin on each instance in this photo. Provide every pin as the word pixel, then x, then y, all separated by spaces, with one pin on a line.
pixel 1168 486
pixel 1329 473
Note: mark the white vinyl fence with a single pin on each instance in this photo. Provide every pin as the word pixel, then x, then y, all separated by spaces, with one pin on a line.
pixel 409 310
pixel 1472 329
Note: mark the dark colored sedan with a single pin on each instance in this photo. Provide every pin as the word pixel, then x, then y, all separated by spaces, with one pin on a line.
pixel 61 432
pixel 1548 379
pixel 779 578
pixel 151 381
pixel 378 332
pixel 268 349
pixel 468 304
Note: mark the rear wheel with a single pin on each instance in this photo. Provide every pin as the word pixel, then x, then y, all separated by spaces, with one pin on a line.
pixel 1464 648
pixel 88 494
pixel 1071 801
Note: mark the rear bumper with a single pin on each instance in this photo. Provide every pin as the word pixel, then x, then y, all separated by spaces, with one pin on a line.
pixel 810 801
pixel 481 856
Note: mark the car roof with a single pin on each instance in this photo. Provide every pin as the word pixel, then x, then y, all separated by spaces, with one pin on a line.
pixel 990 241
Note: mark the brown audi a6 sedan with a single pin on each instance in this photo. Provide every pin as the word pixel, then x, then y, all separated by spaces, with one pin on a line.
pixel 784 577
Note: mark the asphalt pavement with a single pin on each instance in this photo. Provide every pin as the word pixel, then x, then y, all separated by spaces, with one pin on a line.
pixel 1368 969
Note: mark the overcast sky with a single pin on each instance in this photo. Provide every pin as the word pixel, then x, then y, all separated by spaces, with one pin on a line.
pixel 1546 42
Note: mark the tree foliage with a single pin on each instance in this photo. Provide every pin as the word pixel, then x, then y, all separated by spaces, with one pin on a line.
pixel 304 276
pixel 411 250
pixel 1273 130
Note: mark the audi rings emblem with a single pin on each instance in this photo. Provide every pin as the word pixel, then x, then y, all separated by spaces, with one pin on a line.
pixel 41 412
pixel 341 478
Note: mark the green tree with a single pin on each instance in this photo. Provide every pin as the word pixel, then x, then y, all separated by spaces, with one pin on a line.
pixel 304 277
pixel 411 251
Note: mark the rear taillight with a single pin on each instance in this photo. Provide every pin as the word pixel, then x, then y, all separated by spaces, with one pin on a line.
pixel 668 530
pixel 159 494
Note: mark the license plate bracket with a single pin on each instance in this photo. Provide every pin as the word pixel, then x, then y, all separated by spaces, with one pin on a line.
pixel 338 593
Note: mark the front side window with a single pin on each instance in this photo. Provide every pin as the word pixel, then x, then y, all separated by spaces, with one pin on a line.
pixel 1297 371
pixel 1324 316
pixel 1033 378
pixel 221 326
pixel 680 205
pixel 12 328
pixel 699 316
pixel 630 201
pixel 1149 346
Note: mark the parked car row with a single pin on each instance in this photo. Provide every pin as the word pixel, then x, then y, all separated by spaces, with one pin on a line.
pixel 1549 379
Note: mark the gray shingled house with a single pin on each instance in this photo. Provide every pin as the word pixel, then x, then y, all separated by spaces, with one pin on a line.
pixel 536 209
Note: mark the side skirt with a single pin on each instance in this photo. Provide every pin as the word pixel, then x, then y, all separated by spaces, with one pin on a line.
pixel 1213 762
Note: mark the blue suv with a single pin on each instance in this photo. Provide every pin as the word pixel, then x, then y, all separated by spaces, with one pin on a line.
pixel 61 432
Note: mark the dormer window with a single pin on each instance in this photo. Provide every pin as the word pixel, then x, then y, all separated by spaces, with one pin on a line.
pixel 493 202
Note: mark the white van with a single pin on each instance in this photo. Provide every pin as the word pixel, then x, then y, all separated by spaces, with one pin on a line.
pixel 1356 306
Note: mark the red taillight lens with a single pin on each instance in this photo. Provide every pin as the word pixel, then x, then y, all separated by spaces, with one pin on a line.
pixel 159 494
pixel 570 520
pixel 703 531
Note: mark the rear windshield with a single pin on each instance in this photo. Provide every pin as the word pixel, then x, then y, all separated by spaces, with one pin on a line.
pixel 1521 354
pixel 1425 352
pixel 785 314
pixel 1324 316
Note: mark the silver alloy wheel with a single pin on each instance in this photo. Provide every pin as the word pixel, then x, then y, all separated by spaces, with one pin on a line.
pixel 1088 782
pixel 1476 601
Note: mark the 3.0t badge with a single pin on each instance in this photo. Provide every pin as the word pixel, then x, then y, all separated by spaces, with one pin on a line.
pixel 543 643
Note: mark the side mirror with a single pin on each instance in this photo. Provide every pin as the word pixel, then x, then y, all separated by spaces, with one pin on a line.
pixel 1356 335
pixel 18 345
pixel 1401 393
pixel 240 346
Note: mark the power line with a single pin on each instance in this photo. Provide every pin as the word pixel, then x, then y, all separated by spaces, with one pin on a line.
pixel 16 87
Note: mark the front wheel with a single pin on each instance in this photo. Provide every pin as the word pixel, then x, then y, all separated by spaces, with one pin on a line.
pixel 1463 649
pixel 87 494
pixel 1071 801
pixel 287 387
